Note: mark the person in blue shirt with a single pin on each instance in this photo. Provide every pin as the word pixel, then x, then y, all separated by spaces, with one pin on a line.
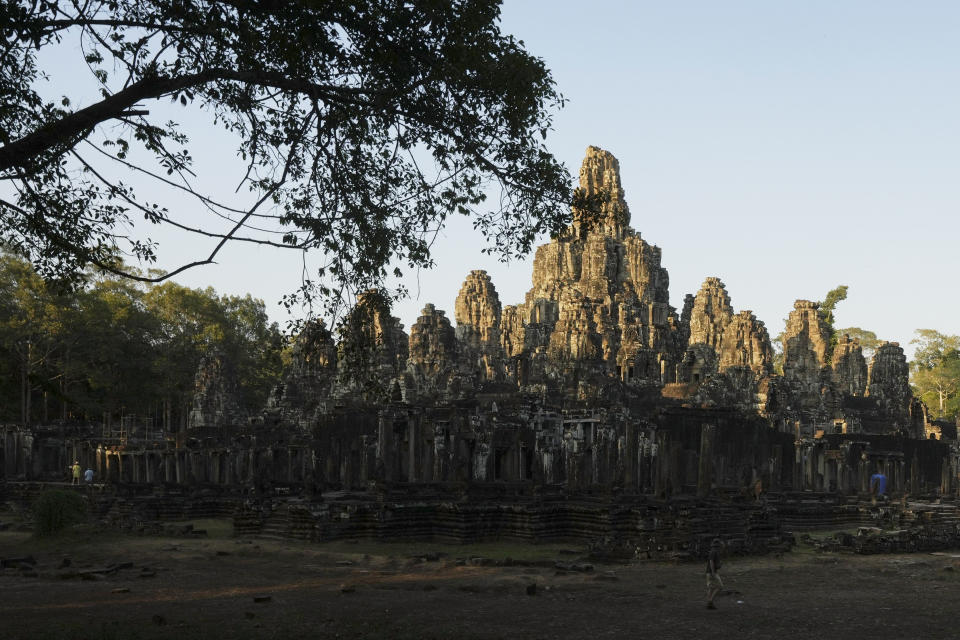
pixel 878 486
pixel 88 476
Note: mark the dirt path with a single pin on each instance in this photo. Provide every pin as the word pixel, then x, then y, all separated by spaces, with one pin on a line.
pixel 206 589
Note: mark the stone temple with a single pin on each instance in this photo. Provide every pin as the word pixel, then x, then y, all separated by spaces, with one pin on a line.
pixel 591 408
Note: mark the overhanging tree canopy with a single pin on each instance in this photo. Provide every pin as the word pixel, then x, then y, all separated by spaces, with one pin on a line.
pixel 362 126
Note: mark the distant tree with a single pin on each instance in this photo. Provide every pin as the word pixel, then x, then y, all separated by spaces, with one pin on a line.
pixel 827 307
pixel 935 371
pixel 363 126
pixel 32 329
pixel 830 302
pixel 868 339
pixel 116 347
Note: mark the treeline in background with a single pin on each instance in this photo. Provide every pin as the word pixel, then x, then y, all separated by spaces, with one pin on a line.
pixel 115 348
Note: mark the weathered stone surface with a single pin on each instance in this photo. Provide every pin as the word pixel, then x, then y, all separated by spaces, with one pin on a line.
pixel 806 345
pixel 216 401
pixel 736 386
pixel 745 342
pixel 806 341
pixel 512 330
pixel 600 302
pixel 889 382
pixel 306 386
pixel 699 363
pixel 432 363
pixel 600 173
pixel 592 381
pixel 372 349
pixel 710 314
pixel 478 313
pixel 849 367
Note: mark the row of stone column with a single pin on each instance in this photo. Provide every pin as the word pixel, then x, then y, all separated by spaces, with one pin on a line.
pixel 206 466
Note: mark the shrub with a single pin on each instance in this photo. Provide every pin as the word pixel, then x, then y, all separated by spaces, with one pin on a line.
pixel 56 510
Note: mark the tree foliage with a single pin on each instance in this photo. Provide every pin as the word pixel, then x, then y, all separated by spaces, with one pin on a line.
pixel 829 303
pixel 55 510
pixel 362 126
pixel 868 339
pixel 114 347
pixel 827 307
pixel 935 371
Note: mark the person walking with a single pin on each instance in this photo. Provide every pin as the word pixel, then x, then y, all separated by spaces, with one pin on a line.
pixel 76 472
pixel 878 486
pixel 714 583
pixel 88 476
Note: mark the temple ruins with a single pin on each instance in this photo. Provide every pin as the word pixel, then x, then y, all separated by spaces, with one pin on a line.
pixel 591 408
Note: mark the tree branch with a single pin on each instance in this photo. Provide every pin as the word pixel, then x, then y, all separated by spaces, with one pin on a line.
pixel 71 127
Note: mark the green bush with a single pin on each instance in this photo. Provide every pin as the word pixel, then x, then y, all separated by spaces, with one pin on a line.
pixel 56 510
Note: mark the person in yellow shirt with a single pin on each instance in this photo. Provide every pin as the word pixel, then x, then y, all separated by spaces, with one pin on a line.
pixel 76 472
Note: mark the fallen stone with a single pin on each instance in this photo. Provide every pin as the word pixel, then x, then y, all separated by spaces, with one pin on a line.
pixel 223 553
pixel 344 563
pixel 532 589
pixel 262 598
pixel 159 620
pixel 347 588
pixel 609 576
pixel 120 590
pixel 66 562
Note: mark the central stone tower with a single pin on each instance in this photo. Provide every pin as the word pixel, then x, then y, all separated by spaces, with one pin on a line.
pixel 600 301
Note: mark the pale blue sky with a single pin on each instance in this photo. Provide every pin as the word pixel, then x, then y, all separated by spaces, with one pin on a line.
pixel 785 147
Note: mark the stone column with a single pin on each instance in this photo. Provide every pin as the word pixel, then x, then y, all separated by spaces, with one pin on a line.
pixel 413 433
pixel 630 458
pixel 708 434
pixel 385 445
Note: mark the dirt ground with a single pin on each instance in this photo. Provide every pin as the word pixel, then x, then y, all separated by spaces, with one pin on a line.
pixel 208 588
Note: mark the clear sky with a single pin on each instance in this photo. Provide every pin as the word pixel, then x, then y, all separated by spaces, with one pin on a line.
pixel 785 147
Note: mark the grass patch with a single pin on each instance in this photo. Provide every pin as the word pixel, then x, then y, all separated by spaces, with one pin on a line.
pixel 56 510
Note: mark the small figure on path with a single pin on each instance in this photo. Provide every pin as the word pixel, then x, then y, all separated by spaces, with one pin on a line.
pixel 76 472
pixel 88 476
pixel 714 583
